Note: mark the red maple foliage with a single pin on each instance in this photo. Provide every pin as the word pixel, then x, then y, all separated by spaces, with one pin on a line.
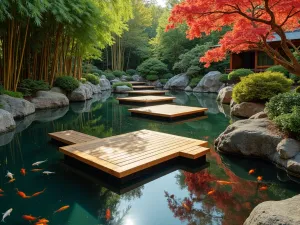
pixel 253 23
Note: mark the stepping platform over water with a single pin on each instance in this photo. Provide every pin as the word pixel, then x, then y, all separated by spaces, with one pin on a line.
pixel 142 87
pixel 147 92
pixel 126 154
pixel 168 112
pixel 146 100
pixel 71 137
pixel 136 82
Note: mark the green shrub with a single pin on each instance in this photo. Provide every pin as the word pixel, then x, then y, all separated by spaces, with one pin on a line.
pixel 152 66
pixel 237 74
pixel 297 89
pixel 260 87
pixel 295 78
pixel 224 78
pixel 118 73
pixel 193 83
pixel 152 77
pixel 163 81
pixel 66 83
pixel 282 104
pixel 193 71
pixel 131 72
pixel 280 69
pixel 14 94
pixel 110 76
pixel 290 122
pixel 129 78
pixel 83 80
pixel 167 76
pixel 29 87
pixel 91 78
pixel 121 84
pixel 89 68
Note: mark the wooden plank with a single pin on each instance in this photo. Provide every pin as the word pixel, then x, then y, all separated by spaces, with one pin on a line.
pixel 168 111
pixel 136 82
pixel 146 92
pixel 146 99
pixel 71 137
pixel 128 153
pixel 142 87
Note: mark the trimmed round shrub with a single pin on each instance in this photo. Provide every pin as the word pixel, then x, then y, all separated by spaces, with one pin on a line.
pixel 118 73
pixel 110 76
pixel 163 81
pixel 131 72
pixel 224 78
pixel 280 69
pixel 297 89
pixel 282 104
pixel 152 77
pixel 14 94
pixel 129 78
pixel 295 78
pixel 121 84
pixel 260 87
pixel 29 87
pixel 66 83
pixel 83 80
pixel 152 66
pixel 237 74
pixel 194 82
pixel 167 76
pixel 91 78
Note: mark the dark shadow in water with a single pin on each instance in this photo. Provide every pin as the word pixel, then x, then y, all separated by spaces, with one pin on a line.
pixel 131 182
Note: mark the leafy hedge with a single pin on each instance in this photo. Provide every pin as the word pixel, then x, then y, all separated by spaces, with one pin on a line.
pixel 163 81
pixel 224 78
pixel 131 72
pixel 121 84
pixel 260 87
pixel 91 78
pixel 29 87
pixel 152 77
pixel 167 76
pixel 297 89
pixel 194 82
pixel 118 73
pixel 66 83
pixel 152 66
pixel 279 69
pixel 110 76
pixel 237 74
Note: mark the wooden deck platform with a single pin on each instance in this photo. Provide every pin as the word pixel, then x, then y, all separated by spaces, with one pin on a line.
pixel 71 137
pixel 146 100
pixel 168 112
pixel 146 92
pixel 142 87
pixel 136 82
pixel 126 154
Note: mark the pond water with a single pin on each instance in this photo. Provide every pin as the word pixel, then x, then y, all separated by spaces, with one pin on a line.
pixel 179 197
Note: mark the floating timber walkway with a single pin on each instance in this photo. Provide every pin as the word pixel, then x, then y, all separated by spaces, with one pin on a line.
pixel 142 87
pixel 146 92
pixel 168 112
pixel 71 137
pixel 126 154
pixel 146 100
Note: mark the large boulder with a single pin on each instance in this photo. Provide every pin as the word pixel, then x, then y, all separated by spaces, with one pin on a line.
pixel 288 148
pixel 156 83
pixel 7 122
pixel 49 100
pixel 188 89
pixel 209 83
pixel 225 95
pixel 246 109
pixel 122 89
pixel 18 107
pixel 82 93
pixel 178 82
pixel 96 89
pixel 58 90
pixel 285 212
pixel 137 78
pixel 104 83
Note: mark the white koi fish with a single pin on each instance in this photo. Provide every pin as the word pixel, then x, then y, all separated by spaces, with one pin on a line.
pixel 48 172
pixel 39 163
pixel 6 214
pixel 10 175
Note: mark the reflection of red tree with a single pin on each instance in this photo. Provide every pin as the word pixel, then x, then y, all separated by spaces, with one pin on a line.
pixel 230 204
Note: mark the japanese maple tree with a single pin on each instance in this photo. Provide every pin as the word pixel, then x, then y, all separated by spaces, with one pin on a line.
pixel 253 23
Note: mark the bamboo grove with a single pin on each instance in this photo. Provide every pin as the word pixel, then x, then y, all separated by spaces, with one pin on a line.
pixel 42 39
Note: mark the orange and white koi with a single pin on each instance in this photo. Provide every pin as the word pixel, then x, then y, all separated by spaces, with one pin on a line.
pixel 251 171
pixel 211 192
pixel 38 193
pixel 11 181
pixel 29 217
pixel 23 171
pixel 10 175
pixel 36 170
pixel 108 215
pixel 43 221
pixel 263 188
pixel 22 194
pixel 223 182
pixel 259 178
pixel 62 209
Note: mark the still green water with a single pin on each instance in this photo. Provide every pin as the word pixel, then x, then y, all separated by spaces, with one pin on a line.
pixel 176 198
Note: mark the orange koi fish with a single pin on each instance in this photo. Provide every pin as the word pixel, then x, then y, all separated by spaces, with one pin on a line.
pixel 1 191
pixel 1 195
pixel 259 178
pixel 211 192
pixel 38 193
pixel 23 171
pixel 62 209
pixel 43 221
pixel 36 170
pixel 263 188
pixel 29 217
pixel 251 171
pixel 108 215
pixel 22 194
pixel 224 182
pixel 186 207
pixel 39 223
pixel 11 181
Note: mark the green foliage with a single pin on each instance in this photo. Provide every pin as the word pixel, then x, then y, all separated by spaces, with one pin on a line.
pixel 89 68
pixel 66 83
pixel 118 73
pixel 237 74
pixel 152 66
pixel 129 78
pixel 297 89
pixel 260 87
pixel 280 69
pixel 193 83
pixel 295 78
pixel 152 77
pixel 163 81
pixel 131 72
pixel 29 87
pixel 193 71
pixel 13 94
pixel 83 80
pixel 282 104
pixel 121 84
pixel 110 76
pixel 167 76
pixel 91 78
pixel 224 78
